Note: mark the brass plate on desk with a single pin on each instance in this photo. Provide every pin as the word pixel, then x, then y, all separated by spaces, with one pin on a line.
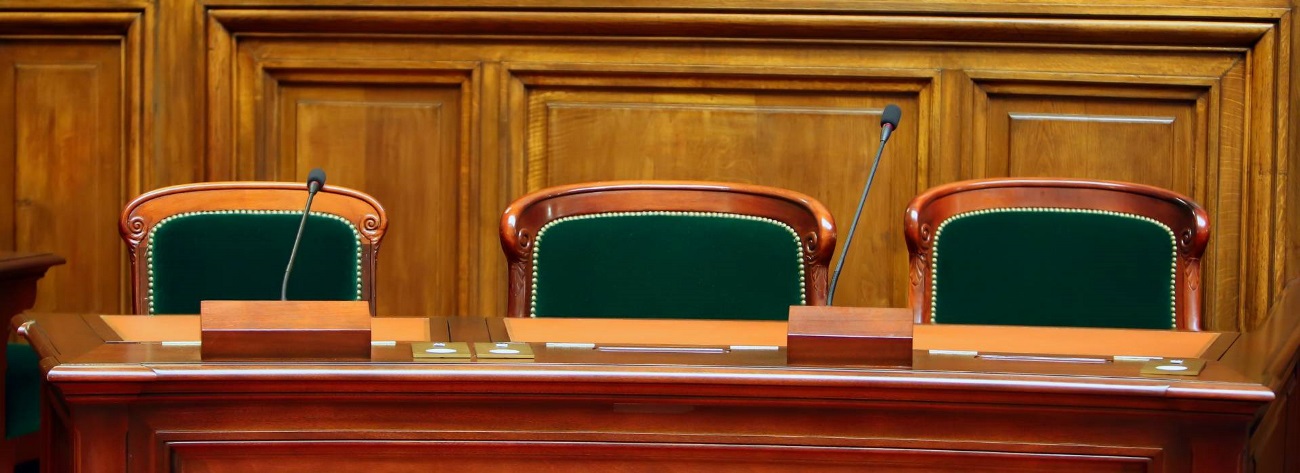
pixel 503 350
pixel 440 350
pixel 1173 367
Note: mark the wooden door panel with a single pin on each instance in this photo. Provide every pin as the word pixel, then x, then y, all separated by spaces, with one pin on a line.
pixel 1137 141
pixel 64 166
pixel 401 144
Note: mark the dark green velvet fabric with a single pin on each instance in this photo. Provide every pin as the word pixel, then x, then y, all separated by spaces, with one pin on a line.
pixel 1054 268
pixel 22 391
pixel 667 266
pixel 242 257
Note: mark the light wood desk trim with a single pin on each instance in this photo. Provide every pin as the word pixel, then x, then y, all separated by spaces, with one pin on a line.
pixel 989 339
pixel 185 328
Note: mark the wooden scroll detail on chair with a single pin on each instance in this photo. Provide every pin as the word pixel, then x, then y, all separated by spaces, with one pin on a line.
pixel 1185 223
pixel 811 225
pixel 143 214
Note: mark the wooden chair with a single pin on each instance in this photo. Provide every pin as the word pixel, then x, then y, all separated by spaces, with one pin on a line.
pixel 20 406
pixel 666 249
pixel 1060 252
pixel 231 240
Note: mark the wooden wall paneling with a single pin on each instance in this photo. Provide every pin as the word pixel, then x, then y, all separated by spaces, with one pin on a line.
pixel 175 140
pixel 395 131
pixel 1220 196
pixel 1289 188
pixel 554 84
pixel 1197 10
pixel 219 142
pixel 496 140
pixel 946 23
pixel 67 167
pixel 812 131
pixel 69 149
pixel 1263 150
pixel 954 128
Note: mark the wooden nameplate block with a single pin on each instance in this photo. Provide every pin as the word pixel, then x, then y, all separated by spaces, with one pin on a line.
pixel 296 330
pixel 860 336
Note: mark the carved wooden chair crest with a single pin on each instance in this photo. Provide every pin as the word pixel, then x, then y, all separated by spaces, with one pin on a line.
pixel 666 249
pixel 231 240
pixel 1064 252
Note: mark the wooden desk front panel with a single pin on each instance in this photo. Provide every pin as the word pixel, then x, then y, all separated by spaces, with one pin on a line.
pixel 148 407
pixel 648 435
pixel 545 426
pixel 568 457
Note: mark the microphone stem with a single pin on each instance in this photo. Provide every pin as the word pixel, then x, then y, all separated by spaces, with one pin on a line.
pixel 839 266
pixel 284 286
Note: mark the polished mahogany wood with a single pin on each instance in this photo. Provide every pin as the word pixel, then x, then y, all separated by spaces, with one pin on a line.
pixel 1189 222
pixel 824 335
pixel 142 213
pixel 523 218
pixel 285 330
pixel 19 273
pixel 152 407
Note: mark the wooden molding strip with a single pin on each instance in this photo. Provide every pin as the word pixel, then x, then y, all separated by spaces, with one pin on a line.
pixel 754 26
pixel 1205 9
pixel 80 23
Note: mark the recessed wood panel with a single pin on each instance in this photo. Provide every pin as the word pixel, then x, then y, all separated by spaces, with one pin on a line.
pixel 810 135
pixel 1139 141
pixel 64 166
pixel 401 145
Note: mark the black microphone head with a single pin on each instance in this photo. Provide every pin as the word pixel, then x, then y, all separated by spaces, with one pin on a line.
pixel 315 180
pixel 891 115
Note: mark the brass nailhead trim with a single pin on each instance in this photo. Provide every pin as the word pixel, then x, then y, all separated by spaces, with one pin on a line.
pixel 152 231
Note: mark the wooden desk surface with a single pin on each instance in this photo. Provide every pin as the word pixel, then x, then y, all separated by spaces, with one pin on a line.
pixel 654 411
pixel 985 339
pixel 130 339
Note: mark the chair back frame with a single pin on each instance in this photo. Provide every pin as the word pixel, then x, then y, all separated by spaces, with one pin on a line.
pixel 1188 221
pixel 521 221
pixel 144 212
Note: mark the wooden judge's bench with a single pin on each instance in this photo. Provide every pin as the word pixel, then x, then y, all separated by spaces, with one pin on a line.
pixel 448 110
pixel 132 393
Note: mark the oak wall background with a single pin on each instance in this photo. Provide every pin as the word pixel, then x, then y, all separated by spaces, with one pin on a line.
pixel 446 110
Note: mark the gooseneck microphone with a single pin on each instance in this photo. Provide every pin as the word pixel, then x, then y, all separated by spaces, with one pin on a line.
pixel 315 180
pixel 888 123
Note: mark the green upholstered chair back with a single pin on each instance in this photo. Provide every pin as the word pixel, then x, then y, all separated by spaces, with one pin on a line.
pixel 662 249
pixel 231 241
pixel 1056 253
pixel 241 255
pixel 22 391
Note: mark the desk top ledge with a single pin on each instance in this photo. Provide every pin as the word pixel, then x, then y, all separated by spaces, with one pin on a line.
pixel 541 378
